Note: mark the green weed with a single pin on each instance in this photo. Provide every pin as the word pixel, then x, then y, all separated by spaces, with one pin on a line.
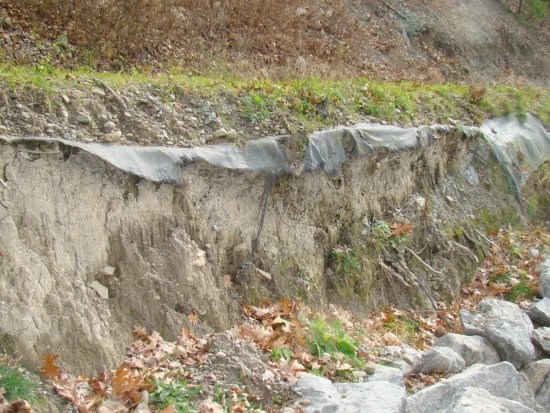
pixel 345 260
pixel 15 384
pixel 176 394
pixel 330 338
pixel 282 353
pixel 384 236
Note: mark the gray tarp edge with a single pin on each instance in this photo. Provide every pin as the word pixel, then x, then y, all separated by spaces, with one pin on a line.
pixel 520 146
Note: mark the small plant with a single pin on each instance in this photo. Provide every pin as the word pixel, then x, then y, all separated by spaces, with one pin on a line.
pixel 175 394
pixel 330 338
pixel 15 384
pixel 403 326
pixel 281 353
pixel 256 107
pixel 392 235
pixel 345 261
pixel 235 401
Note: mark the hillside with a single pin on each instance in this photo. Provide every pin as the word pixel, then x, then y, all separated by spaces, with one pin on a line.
pixel 420 40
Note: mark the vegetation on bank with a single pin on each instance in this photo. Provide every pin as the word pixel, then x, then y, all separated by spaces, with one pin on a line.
pixel 313 102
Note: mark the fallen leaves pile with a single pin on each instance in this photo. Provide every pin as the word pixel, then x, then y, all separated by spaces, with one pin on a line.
pixel 293 340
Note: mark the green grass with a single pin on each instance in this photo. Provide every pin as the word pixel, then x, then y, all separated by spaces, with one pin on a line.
pixel 176 394
pixel 315 102
pixel 521 290
pixel 15 384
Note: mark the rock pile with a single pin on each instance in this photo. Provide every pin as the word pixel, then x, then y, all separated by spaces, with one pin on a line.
pixel 495 362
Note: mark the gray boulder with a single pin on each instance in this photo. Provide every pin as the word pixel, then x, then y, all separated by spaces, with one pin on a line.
pixel 375 396
pixel 440 359
pixel 540 312
pixel 324 397
pixel 544 278
pixel 389 374
pixel 505 326
pixel 403 357
pixel 541 337
pixel 538 374
pixel 501 380
pixel 475 400
pixel 320 392
pixel 473 349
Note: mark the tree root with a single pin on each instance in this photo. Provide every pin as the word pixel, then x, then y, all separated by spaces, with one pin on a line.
pixel 464 249
pixel 393 273
pixel 424 263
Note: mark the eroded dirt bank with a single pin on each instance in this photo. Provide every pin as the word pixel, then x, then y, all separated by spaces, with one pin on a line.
pixel 89 250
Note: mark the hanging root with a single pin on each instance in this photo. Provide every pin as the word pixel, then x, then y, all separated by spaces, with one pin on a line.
pixel 424 263
pixel 463 249
pixel 487 239
pixel 393 273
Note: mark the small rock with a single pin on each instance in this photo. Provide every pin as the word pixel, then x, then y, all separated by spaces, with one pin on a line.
pixel 473 349
pixel 535 253
pixel 51 128
pixel 540 312
pixel 220 133
pixel 84 119
pixel 301 11
pixel 440 359
pixel 221 355
pixel 538 373
pixel 98 92
pixel 420 201
pixel 112 136
pixel 232 134
pixel 64 112
pixel 108 271
pixel 65 99
pixel 305 402
pixel 544 278
pixel 100 289
pixel 359 374
pixel 541 337
pixel 370 367
pixel 109 126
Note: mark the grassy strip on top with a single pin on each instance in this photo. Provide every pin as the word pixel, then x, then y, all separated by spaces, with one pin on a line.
pixel 319 103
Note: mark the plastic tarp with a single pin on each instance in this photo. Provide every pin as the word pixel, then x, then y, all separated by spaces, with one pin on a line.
pixel 520 145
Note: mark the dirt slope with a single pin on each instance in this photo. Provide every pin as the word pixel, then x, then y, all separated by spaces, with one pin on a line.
pixel 427 40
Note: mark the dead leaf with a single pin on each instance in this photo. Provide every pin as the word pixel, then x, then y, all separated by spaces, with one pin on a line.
pixel 50 369
pixel 141 333
pixel 127 384
pixel 193 318
pixel 401 229
pixel 210 406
